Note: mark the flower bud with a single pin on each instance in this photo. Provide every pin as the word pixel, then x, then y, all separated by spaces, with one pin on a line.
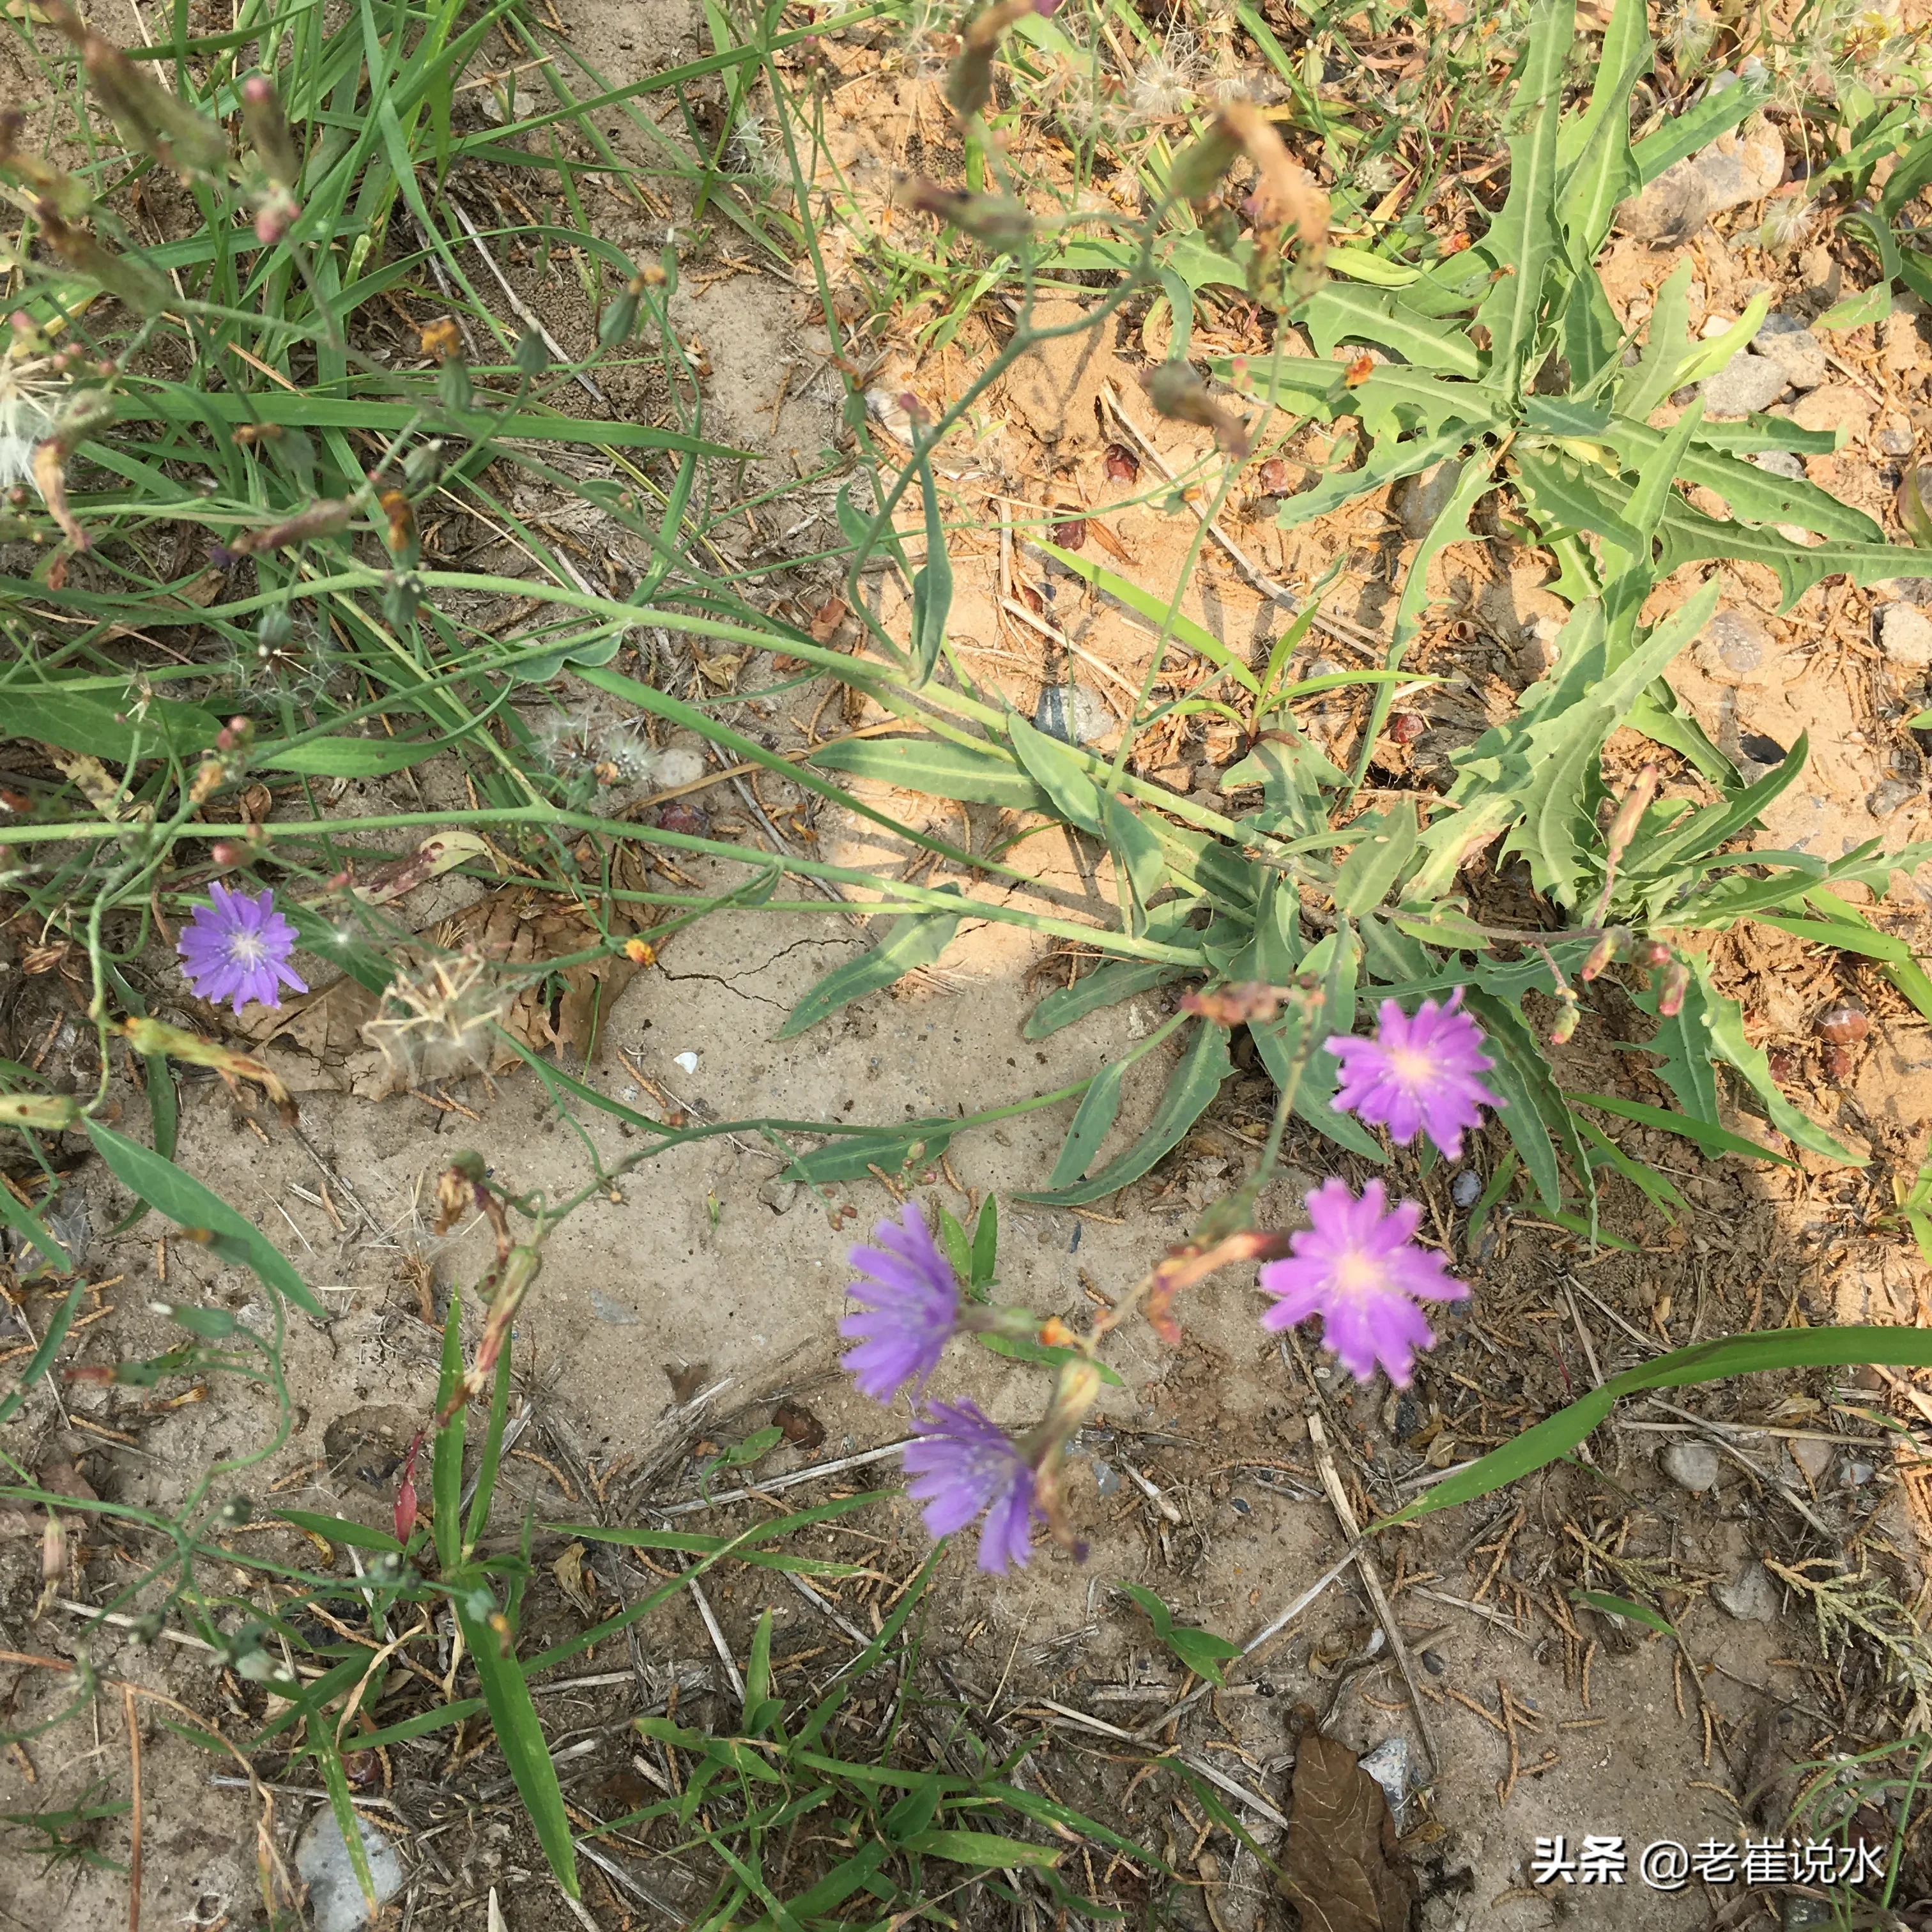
pixel 1606 949
pixel 1670 994
pixel 268 131
pixel 45 1113
pixel 1630 814
pixel 996 219
pixel 329 518
pixel 1568 1012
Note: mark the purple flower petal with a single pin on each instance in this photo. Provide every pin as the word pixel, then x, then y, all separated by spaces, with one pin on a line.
pixel 1419 1075
pixel 1357 1266
pixel 908 1309
pixel 961 1464
pixel 238 949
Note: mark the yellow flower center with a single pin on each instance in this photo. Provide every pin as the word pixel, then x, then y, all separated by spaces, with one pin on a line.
pixel 1357 1273
pixel 1411 1066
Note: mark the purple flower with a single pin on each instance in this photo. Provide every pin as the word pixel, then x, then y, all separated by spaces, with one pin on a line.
pixel 238 949
pixel 962 1464
pixel 909 1308
pixel 1416 1073
pixel 1357 1268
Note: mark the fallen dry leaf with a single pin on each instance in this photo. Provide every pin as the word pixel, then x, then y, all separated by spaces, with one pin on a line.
pixel 686 1379
pixel 802 1430
pixel 1341 1869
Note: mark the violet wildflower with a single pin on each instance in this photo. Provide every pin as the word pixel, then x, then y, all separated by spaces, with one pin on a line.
pixel 1421 1074
pixel 1357 1266
pixel 962 1464
pixel 237 948
pixel 909 1308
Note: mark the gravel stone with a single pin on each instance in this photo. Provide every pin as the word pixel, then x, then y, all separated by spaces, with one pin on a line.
pixel 1690 1466
pixel 1735 168
pixel 1417 501
pixel 1733 650
pixel 1750 1596
pixel 1785 462
pixel 1787 342
pixel 322 1858
pixel 1905 635
pixel 1890 797
pixel 1076 714
pixel 1746 382
pixel 1895 437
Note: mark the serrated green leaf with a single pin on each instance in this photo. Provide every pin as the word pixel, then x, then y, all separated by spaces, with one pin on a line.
pixel 1378 858
pixel 1388 462
pixel 939 768
pixel 1649 382
pixel 1339 312
pixel 1597 168
pixel 1192 1085
pixel 1524 237
pixel 916 939
pixel 1722 1023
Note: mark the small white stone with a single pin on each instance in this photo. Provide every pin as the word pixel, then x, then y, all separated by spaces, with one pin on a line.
pixel 688 1060
pixel 322 1861
pixel 1690 1466
pixel 1751 1597
pixel 1905 635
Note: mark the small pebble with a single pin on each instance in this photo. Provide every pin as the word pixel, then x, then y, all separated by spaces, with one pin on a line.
pixel 1895 437
pixel 1433 1663
pixel 334 1894
pixel 1106 1477
pixel 1890 795
pixel 1785 340
pixel 1072 534
pixel 1465 1190
pixel 1857 1475
pixel 687 1060
pixel 1690 1466
pixel 1733 649
pixel 1785 462
pixel 1750 1596
pixel 1745 384
pixel 1838 1064
pixel 1387 1764
pixel 1815 1459
pixel 1843 1025
pixel 1759 749
pixel 1124 467
pixel 1905 635
pixel 1076 714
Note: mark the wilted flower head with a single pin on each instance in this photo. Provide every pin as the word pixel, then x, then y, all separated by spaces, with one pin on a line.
pixel 1357 1266
pixel 31 394
pixel 1419 1075
pixel 961 1464
pixel 437 1022
pixel 909 1308
pixel 237 948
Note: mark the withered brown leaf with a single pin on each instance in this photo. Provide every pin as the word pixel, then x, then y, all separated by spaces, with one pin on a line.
pixel 1341 1869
